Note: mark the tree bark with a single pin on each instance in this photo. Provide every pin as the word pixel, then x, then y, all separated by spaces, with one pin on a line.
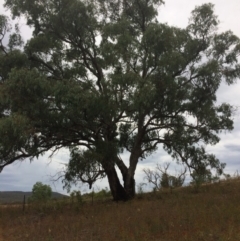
pixel 127 190
pixel 129 186
pixel 117 190
pixel 129 181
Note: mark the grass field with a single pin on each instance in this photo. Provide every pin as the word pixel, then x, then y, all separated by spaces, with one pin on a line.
pixel 212 214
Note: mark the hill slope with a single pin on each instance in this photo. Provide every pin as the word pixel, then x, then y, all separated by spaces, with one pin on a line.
pixel 208 213
pixel 17 197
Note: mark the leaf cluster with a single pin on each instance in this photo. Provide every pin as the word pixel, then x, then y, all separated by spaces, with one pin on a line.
pixel 40 193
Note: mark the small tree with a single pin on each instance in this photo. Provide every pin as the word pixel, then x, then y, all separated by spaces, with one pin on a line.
pixel 41 192
pixel 104 193
pixel 160 177
pixel 76 197
pixel 140 187
pixel 203 175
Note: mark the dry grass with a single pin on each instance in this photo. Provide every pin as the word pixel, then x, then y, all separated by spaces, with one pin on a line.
pixel 213 214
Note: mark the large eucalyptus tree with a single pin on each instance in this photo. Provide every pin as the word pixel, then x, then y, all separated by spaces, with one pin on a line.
pixel 103 77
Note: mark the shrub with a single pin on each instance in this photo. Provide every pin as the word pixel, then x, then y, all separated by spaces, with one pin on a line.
pixel 40 193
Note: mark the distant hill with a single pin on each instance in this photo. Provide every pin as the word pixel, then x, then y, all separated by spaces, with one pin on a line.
pixel 17 197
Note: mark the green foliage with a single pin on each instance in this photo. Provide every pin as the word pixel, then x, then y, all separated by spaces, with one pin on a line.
pixel 76 200
pixel 227 176
pixel 160 178
pixel 169 181
pixel 165 182
pixel 104 193
pixel 113 79
pixel 76 197
pixel 40 193
pixel 84 166
pixel 202 176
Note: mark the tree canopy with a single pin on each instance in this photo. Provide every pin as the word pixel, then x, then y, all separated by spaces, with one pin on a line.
pixel 41 192
pixel 106 77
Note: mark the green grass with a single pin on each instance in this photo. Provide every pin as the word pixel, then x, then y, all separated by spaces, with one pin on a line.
pixel 212 214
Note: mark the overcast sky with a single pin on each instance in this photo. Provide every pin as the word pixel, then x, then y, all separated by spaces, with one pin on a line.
pixel 21 176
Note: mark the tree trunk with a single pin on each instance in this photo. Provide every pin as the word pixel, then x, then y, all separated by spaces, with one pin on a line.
pixel 129 186
pixel 117 190
pixel 129 181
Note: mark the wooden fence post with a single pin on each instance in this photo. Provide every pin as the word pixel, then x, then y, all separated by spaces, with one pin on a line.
pixel 24 201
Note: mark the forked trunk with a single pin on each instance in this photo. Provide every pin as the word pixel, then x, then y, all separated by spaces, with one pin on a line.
pixel 117 190
pixel 127 190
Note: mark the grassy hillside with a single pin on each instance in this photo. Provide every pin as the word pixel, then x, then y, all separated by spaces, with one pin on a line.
pixel 17 197
pixel 210 214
